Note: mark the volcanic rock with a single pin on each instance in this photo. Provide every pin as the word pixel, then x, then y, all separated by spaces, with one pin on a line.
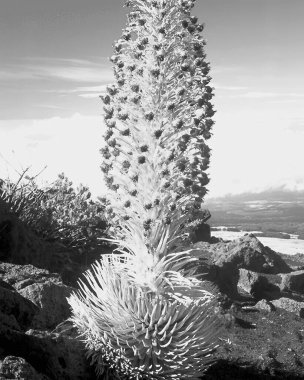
pixel 258 285
pixel 293 282
pixel 20 309
pixel 246 252
pixel 265 305
pixel 290 305
pixel 14 367
pixel 224 259
pixel 56 355
pixel 201 232
pixel 20 245
pixel 43 289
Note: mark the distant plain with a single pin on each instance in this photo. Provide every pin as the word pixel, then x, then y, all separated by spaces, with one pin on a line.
pixel 276 218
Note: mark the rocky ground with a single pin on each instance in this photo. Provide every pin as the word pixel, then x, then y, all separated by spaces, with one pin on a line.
pixel 261 295
pixel 263 310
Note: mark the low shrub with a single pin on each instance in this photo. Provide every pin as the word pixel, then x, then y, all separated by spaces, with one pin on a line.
pixel 58 212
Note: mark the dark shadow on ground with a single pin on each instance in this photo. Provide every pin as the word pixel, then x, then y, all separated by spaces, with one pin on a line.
pixel 225 370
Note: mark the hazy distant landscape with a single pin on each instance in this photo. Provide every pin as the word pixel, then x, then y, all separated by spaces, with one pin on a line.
pixel 268 212
pixel 278 216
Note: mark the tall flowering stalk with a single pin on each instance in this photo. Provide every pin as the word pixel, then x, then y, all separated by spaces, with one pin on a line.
pixel 158 116
pixel 142 312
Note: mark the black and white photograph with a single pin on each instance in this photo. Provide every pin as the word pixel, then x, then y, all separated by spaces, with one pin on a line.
pixel 151 189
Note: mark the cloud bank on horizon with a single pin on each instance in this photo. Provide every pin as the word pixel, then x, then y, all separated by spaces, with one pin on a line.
pixel 244 160
pixel 50 113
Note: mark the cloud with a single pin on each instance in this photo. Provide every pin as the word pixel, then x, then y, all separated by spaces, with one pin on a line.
pixel 254 147
pixel 11 73
pixel 70 145
pixel 243 159
pixel 93 73
pixel 91 95
pixel 258 95
pixel 297 126
pixel 88 92
pixel 265 94
pixel 229 88
pixel 254 154
pixel 98 89
pixel 64 69
pixel 41 88
pixel 221 69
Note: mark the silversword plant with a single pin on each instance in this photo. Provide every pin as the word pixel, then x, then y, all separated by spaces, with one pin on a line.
pixel 142 312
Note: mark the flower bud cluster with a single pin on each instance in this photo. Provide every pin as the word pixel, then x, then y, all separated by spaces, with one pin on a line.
pixel 158 116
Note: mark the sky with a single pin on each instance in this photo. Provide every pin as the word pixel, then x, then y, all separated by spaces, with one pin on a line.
pixel 54 65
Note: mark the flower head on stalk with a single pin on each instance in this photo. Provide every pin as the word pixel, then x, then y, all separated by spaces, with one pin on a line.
pixel 141 311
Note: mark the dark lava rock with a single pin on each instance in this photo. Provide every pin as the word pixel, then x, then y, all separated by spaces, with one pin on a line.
pixel 290 305
pixel 10 321
pixel 249 253
pixel 43 289
pixel 293 282
pixel 265 305
pixel 5 285
pixel 13 304
pixel 201 232
pixel 20 245
pixel 224 259
pixel 19 276
pixel 35 298
pixel 13 367
pixel 55 355
pixel 259 285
